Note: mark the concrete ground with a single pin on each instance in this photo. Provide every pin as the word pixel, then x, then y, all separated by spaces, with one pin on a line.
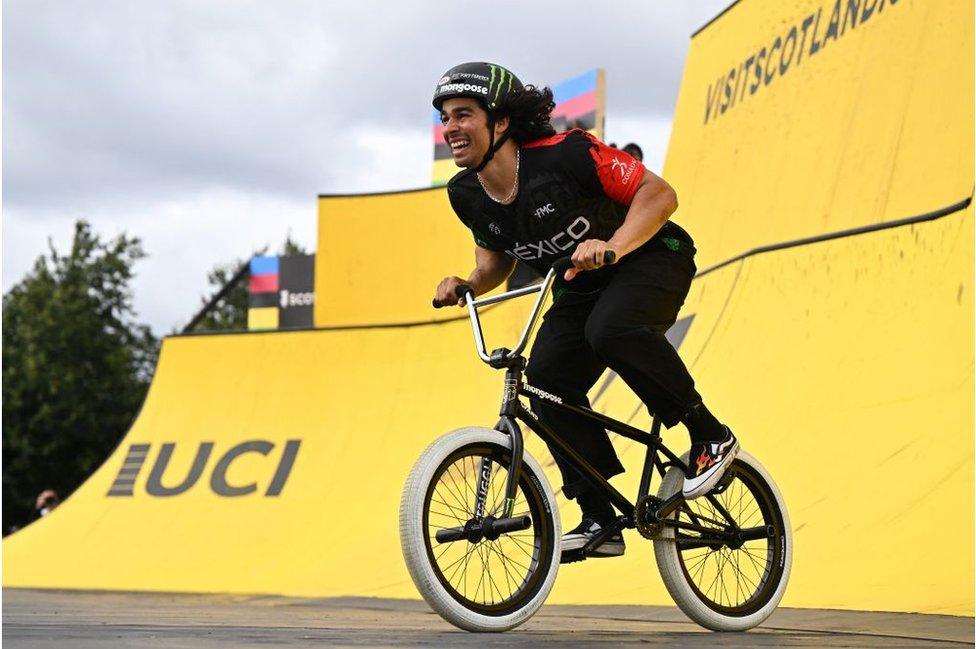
pixel 107 620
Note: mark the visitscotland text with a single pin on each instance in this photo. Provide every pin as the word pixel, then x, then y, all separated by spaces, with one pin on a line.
pixel 787 51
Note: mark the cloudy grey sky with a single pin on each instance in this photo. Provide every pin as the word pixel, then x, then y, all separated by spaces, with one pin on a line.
pixel 208 127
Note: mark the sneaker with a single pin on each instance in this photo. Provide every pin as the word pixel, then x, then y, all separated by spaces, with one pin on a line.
pixel 707 464
pixel 584 533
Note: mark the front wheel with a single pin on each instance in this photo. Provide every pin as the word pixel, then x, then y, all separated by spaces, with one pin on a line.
pixel 478 583
pixel 736 584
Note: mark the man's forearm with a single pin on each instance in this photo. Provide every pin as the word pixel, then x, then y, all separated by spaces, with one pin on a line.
pixel 489 273
pixel 653 205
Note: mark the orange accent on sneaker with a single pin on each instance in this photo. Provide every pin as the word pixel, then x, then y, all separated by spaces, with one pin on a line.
pixel 704 461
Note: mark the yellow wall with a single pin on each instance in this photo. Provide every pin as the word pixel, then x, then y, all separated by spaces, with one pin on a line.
pixel 856 392
pixel 381 256
pixel 846 367
pixel 362 404
pixel 876 125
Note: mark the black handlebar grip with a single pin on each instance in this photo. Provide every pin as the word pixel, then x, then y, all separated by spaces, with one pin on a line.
pixel 562 265
pixel 460 291
pixel 565 263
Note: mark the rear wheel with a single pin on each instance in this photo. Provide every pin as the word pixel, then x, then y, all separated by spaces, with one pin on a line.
pixel 736 584
pixel 481 584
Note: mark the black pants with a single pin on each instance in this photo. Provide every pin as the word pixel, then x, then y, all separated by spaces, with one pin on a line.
pixel 621 327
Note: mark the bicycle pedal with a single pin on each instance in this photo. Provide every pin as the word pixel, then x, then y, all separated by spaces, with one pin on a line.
pixel 572 556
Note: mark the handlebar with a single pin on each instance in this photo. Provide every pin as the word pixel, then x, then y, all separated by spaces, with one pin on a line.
pixel 560 266
pixel 466 294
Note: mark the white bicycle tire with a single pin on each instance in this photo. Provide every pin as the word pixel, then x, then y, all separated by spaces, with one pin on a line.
pixel 669 564
pixel 412 534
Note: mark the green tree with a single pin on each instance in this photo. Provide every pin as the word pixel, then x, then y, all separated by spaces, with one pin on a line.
pixel 229 313
pixel 76 367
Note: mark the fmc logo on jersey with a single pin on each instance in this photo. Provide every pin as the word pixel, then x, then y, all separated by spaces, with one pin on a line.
pixel 276 473
pixel 545 210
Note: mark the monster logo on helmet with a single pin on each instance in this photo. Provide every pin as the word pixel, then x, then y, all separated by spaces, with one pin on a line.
pixel 489 84
pixel 503 75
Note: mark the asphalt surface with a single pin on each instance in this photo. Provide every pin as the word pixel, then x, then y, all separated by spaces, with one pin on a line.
pixel 83 620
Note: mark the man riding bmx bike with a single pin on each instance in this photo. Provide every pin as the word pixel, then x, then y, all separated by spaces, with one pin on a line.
pixel 527 193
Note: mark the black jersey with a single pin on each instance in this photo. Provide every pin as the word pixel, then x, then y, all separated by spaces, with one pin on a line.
pixel 572 187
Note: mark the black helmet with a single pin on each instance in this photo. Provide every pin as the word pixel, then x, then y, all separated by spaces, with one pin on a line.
pixel 489 83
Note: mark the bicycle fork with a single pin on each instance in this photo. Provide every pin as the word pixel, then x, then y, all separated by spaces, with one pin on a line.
pixel 507 425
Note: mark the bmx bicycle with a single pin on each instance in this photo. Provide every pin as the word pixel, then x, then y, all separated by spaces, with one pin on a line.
pixel 480 529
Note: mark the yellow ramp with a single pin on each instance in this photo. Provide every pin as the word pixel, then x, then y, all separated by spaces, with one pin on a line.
pixel 310 437
pixel 799 117
pixel 855 391
pixel 380 256
pixel 846 367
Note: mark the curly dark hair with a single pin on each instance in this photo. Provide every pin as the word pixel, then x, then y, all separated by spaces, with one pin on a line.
pixel 529 110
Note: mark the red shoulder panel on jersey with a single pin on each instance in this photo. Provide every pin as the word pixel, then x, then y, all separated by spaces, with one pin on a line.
pixel 619 173
pixel 549 141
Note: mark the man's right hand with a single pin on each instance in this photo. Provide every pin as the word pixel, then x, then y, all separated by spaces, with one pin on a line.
pixel 445 294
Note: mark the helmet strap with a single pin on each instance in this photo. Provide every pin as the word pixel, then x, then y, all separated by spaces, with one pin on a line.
pixel 493 146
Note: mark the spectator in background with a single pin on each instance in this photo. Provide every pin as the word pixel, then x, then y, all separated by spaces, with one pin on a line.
pixel 47 501
pixel 634 151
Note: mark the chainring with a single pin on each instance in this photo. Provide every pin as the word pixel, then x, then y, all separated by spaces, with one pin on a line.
pixel 648 526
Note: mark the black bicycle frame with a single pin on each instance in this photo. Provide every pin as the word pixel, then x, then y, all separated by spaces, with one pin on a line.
pixel 512 411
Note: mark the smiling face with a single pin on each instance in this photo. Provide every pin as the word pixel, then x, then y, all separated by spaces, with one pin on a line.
pixel 466 130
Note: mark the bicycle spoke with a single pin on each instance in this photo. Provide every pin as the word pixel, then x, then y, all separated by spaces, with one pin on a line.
pixel 757 562
pixel 469 485
pixel 738 581
pixel 504 565
pixel 524 567
pixel 455 494
pixel 753 585
pixel 504 561
pixel 700 517
pixel 462 562
pixel 448 494
pixel 450 486
pixel 490 576
pixel 724 575
pixel 444 549
pixel 481 579
pixel 454 511
pixel 521 545
pixel 469 491
pixel 693 562
pixel 493 490
pixel 704 563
